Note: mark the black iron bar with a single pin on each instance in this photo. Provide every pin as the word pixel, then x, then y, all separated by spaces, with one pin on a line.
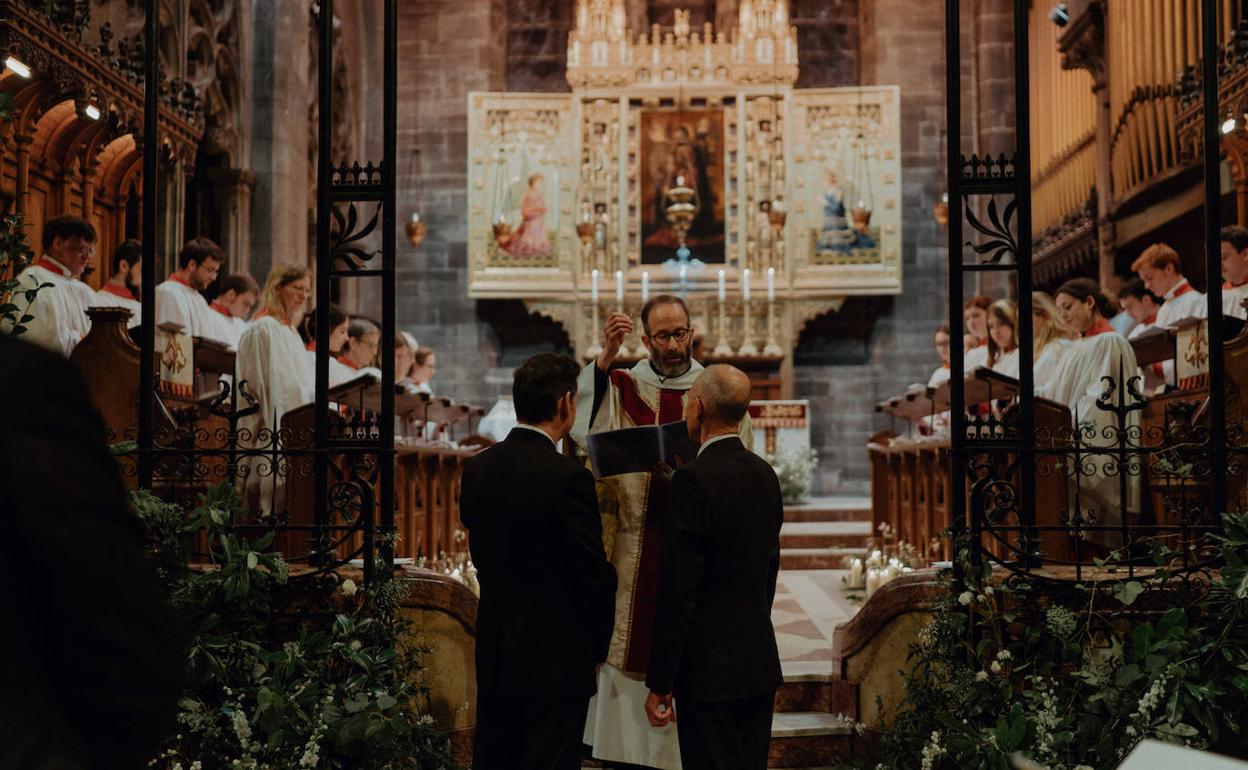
pixel 389 177
pixel 147 327
pixel 324 174
pixel 1022 199
pixel 1213 253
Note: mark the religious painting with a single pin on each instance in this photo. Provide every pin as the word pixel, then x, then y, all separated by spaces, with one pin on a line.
pixel 846 187
pixel 522 182
pixel 683 145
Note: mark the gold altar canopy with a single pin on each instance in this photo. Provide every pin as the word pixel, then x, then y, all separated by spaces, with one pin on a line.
pixel 802 188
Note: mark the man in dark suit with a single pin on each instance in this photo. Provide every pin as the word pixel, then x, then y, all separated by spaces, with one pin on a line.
pixel 93 658
pixel 547 590
pixel 714 646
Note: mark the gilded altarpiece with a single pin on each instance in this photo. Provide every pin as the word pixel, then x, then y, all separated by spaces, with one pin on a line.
pixel 797 192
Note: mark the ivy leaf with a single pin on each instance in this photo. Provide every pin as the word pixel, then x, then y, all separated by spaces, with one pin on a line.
pixel 386 702
pixel 1128 592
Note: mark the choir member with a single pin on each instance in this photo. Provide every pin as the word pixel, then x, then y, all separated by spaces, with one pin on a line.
pixel 424 370
pixel 1234 271
pixel 122 290
pixel 1078 383
pixel 360 351
pixel 339 372
pixel 1003 337
pixel 942 341
pixel 975 341
pixel 1162 273
pixel 178 300
pixel 1142 305
pixel 275 366
pixel 1051 340
pixel 59 311
pixel 405 348
pixel 236 296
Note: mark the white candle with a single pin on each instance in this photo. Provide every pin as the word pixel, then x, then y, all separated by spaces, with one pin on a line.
pixel 645 286
pixel 876 559
pixel 855 573
pixel 771 284
pixel 745 284
pixel 873 581
pixel 722 286
pixel 684 273
pixel 593 285
pixel 619 285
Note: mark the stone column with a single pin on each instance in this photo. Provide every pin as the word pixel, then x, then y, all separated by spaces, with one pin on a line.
pixel 23 142
pixel 280 95
pixel 232 188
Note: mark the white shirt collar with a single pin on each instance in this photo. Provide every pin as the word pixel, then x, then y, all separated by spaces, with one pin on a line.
pixel 710 441
pixel 536 429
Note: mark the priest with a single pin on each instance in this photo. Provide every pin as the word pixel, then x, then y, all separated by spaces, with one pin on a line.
pixel 122 290
pixel 633 506
pixel 178 300
pixel 58 314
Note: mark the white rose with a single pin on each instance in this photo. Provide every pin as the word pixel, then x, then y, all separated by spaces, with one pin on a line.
pixel 965 597
pixel 349 587
pixel 981 676
pixel 996 667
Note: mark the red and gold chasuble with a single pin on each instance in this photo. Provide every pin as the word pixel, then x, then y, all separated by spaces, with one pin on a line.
pixel 634 505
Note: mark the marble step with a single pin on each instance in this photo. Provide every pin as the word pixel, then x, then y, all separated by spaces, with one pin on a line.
pixel 830 509
pixel 825 534
pixel 808 739
pixel 818 558
pixel 810 686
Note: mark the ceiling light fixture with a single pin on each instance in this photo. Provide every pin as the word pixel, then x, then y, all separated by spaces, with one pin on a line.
pixel 17 66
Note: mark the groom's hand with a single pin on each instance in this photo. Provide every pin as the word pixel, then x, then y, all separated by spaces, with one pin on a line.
pixel 659 709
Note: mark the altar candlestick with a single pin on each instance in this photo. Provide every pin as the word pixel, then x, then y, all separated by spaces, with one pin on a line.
pixel 645 286
pixel 745 284
pixel 747 320
pixel 593 286
pixel 722 286
pixel 771 284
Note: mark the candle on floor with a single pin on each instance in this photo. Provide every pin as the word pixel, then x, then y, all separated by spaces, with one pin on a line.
pixel 873 581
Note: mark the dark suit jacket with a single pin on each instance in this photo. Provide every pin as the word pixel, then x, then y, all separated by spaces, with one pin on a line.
pixel 547 590
pixel 713 638
pixel 92 657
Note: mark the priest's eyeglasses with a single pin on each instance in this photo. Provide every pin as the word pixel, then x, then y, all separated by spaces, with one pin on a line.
pixel 680 335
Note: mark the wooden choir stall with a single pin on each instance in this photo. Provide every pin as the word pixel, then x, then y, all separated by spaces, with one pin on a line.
pixel 192 415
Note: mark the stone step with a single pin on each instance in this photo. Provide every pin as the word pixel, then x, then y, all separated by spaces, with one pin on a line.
pixel 807 739
pixel 830 509
pixel 810 686
pixel 819 558
pixel 825 534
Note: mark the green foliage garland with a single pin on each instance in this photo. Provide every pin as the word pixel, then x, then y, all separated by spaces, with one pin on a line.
pixel 327 686
pixel 1073 681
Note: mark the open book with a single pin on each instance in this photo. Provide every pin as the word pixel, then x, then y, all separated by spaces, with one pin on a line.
pixel 637 450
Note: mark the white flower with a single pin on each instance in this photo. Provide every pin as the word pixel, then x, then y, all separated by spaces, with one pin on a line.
pixel 965 598
pixel 981 676
pixel 349 587
pixel 988 590
pixel 1004 655
pixel 996 667
pixel 356 644
pixel 1131 731
pixel 932 751
pixel 982 598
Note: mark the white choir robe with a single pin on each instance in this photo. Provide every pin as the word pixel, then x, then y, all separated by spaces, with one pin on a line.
pixel 616 726
pixel 974 358
pixel 178 303
pixel 1152 376
pixel 1007 364
pixel 106 298
pixel 229 326
pixel 1182 302
pixel 1078 384
pixel 1046 362
pixel 938 423
pixel 1233 298
pixel 278 372
pixel 60 310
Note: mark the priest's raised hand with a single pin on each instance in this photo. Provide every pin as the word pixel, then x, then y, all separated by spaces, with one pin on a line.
pixel 618 326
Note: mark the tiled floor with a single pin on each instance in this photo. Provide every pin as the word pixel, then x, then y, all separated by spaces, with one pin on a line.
pixel 809 605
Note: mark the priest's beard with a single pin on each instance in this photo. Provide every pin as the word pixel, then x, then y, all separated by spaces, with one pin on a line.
pixel 671 363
